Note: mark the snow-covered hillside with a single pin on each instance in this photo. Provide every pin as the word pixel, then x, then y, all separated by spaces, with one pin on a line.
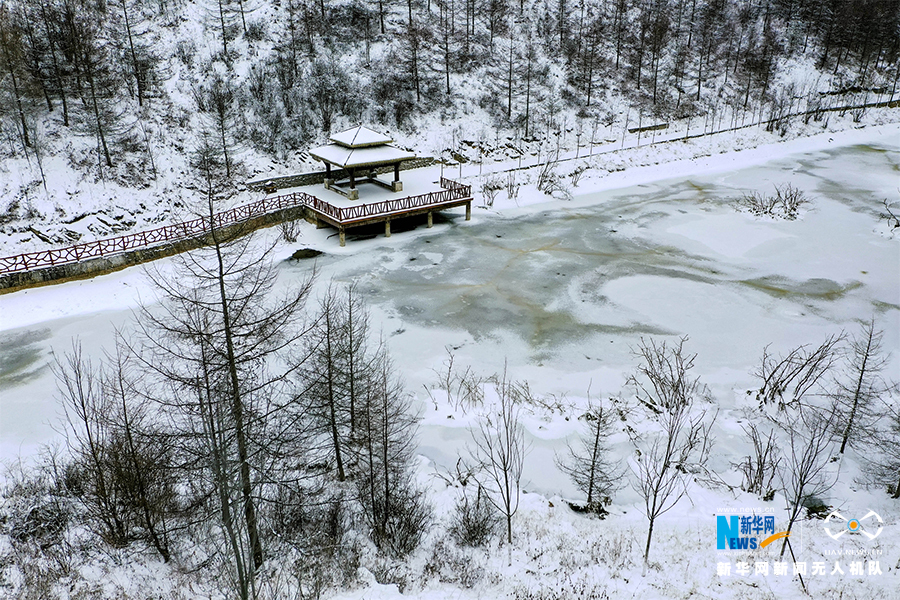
pixel 559 293
pixel 105 106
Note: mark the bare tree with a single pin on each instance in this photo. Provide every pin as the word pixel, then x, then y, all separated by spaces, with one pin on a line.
pixel 669 457
pixel 394 508
pixel 322 380
pixel 804 473
pixel 882 458
pixel 11 52
pixel 500 451
pixel 589 464
pixel 217 101
pixel 212 343
pixel 122 460
pixel 84 410
pixel 857 392
pixel 144 465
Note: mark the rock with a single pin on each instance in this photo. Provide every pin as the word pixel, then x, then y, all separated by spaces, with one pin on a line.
pixel 305 253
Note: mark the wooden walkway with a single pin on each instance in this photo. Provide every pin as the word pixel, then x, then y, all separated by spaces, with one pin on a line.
pixel 317 210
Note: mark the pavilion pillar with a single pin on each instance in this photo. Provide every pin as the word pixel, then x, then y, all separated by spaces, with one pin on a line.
pixel 328 180
pixel 352 180
pixel 397 185
pixel 430 221
pixel 387 228
pixel 468 211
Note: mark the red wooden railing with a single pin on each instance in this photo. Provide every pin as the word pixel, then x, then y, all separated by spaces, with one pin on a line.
pixel 348 214
pixel 201 226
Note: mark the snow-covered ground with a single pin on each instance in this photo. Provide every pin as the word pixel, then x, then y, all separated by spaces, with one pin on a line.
pixel 561 291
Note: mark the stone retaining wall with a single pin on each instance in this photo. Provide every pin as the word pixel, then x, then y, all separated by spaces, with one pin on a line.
pixel 99 266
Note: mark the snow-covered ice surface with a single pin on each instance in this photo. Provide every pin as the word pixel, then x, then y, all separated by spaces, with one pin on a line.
pixel 560 292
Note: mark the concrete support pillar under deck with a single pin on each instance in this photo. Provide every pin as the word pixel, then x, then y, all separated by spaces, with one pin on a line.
pixel 387 228
pixel 468 211
pixel 343 237
pixel 430 222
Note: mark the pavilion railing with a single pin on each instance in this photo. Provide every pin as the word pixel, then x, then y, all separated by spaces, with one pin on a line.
pixel 348 214
pixel 203 225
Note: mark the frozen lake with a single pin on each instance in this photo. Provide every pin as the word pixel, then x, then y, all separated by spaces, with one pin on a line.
pixel 560 292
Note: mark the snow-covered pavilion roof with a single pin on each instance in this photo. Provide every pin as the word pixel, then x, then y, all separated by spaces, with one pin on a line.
pixel 360 147
pixel 360 137
pixel 360 157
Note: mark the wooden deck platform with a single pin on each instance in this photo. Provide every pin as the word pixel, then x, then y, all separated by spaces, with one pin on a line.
pixel 325 214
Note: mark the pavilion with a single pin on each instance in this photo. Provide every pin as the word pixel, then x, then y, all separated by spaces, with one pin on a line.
pixel 356 149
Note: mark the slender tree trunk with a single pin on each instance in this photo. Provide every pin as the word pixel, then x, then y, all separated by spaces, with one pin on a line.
pixel 858 390
pixel 332 409
pixel 647 548
pixel 384 451
pixel 595 454
pixel 237 403
pixel 222 134
pixel 12 72
pixel 222 484
pixel 56 70
pixel 509 80
pixel 101 136
pixel 222 26
pixel 134 62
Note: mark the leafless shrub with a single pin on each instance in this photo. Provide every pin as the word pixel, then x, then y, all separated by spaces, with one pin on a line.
pixel 761 466
pixel 37 512
pixel 451 564
pixel 794 374
pixel 465 390
pixel 523 395
pixel 470 390
pixel 512 187
pixel 490 187
pixel 790 199
pixel 550 182
pixel 785 203
pixel 290 231
pixel 575 175
pixel 474 521
pixel 888 215
pixel 464 473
